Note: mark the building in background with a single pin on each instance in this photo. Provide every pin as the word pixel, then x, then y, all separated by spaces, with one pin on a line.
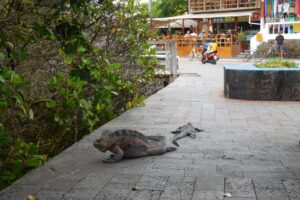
pixel 225 19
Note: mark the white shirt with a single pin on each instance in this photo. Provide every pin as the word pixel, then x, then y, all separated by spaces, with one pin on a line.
pixel 286 7
pixel 279 8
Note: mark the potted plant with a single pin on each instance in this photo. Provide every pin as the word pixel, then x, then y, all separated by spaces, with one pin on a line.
pixel 242 40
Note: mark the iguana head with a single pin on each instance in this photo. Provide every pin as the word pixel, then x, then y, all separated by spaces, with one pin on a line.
pixel 104 142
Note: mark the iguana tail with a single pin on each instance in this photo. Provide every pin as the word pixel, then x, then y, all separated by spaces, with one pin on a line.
pixel 169 149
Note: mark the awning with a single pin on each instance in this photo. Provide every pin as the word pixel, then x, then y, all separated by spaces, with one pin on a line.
pixel 178 24
pixel 207 15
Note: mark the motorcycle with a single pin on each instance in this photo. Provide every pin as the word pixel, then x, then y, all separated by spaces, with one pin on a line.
pixel 211 58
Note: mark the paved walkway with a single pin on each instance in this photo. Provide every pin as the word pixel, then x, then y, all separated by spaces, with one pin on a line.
pixel 249 149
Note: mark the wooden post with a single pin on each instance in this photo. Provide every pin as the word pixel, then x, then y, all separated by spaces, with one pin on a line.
pixel 262 14
pixel 235 24
pixel 182 28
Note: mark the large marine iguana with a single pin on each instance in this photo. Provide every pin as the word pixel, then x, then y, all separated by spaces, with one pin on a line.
pixel 127 143
pixel 183 131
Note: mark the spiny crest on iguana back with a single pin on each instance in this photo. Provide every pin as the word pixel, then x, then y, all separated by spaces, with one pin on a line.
pixel 108 137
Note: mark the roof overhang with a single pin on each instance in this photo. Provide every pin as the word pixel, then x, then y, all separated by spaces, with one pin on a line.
pixel 207 15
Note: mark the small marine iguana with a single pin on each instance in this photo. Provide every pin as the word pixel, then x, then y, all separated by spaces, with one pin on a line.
pixel 127 143
pixel 183 131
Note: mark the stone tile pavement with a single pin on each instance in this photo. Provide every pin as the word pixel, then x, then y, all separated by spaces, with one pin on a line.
pixel 249 149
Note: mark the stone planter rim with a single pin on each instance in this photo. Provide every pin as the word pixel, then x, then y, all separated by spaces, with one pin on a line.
pixel 251 67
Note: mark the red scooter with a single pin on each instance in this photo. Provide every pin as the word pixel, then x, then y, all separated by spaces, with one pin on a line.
pixel 211 58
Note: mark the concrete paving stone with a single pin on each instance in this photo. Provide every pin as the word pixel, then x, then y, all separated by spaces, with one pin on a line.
pixel 208 195
pixel 268 183
pixel 269 175
pixel 151 182
pixel 238 184
pixel 230 170
pixel 37 176
pixel 50 194
pixel 145 195
pixel 63 183
pixel 209 182
pixel 93 182
pixel 238 198
pixel 281 169
pixel 173 164
pixel 260 162
pixel 114 191
pixel 293 188
pixel 18 192
pixel 164 172
pixel 125 178
pixel 200 170
pixel 242 194
pixel 271 194
pixel 80 194
pixel 177 188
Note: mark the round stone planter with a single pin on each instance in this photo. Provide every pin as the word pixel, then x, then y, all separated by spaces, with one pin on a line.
pixel 251 83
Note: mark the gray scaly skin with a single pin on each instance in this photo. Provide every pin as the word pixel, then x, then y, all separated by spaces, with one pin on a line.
pixel 183 131
pixel 127 143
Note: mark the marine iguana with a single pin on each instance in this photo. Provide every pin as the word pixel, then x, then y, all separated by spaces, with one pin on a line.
pixel 128 143
pixel 183 131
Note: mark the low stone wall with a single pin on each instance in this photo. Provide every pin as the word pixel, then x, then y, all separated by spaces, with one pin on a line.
pixel 250 83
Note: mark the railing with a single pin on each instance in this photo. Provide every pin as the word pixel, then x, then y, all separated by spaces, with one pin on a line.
pixel 166 53
pixel 222 40
pixel 284 27
pixel 221 5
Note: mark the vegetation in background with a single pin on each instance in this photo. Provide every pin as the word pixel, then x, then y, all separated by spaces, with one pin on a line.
pixel 98 48
pixel 241 37
pixel 167 8
pixel 277 63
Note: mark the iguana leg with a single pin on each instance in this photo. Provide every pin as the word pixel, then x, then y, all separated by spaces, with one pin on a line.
pixel 192 135
pixel 116 156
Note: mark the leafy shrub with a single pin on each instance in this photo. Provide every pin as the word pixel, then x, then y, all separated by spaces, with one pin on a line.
pixel 277 63
pixel 16 155
pixel 100 47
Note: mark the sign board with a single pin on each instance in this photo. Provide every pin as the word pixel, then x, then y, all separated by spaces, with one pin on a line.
pixel 259 37
pixel 296 28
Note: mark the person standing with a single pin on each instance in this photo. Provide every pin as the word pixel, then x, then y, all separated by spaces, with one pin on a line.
pixel 279 40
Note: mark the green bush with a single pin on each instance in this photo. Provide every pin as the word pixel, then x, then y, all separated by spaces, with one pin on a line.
pixel 16 155
pixel 277 63
pixel 100 47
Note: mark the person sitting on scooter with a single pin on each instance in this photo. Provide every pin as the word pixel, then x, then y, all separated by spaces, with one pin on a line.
pixel 212 49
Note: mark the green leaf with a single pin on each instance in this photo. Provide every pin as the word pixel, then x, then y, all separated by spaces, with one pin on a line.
pixel 3 103
pixel 68 59
pixel 10 45
pixel 33 162
pixel 2 56
pixel 17 166
pixel 81 49
pixel 51 104
pixel 31 114
pixel 8 176
pixel 115 93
